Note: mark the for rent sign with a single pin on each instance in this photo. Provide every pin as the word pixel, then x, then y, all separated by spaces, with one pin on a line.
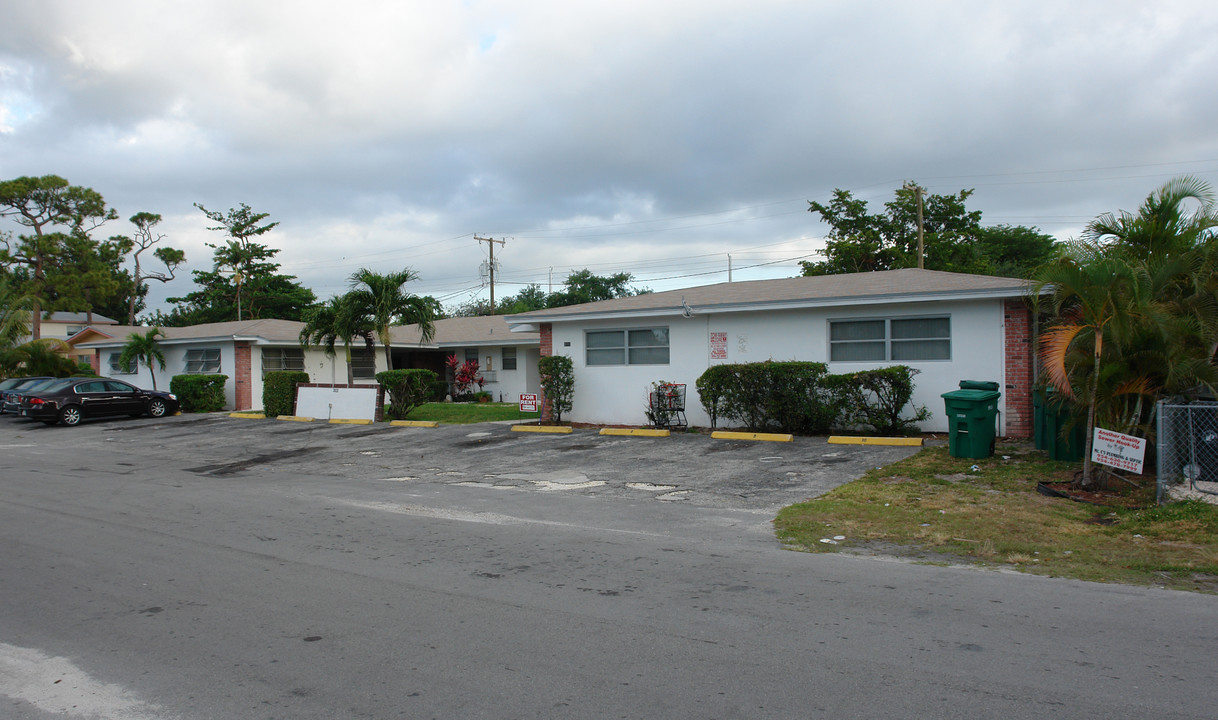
pixel 528 402
pixel 1124 452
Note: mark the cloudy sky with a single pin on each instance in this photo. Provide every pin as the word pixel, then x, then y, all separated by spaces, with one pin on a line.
pixel 654 138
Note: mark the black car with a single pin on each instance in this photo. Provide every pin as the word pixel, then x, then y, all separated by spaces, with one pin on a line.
pixel 72 400
pixel 12 387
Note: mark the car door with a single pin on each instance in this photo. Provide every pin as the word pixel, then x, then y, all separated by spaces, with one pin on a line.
pixel 125 399
pixel 93 398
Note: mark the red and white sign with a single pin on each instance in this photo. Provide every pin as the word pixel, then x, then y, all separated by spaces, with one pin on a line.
pixel 528 402
pixel 1124 452
pixel 718 346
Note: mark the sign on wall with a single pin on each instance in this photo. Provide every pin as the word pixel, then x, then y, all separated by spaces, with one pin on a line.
pixel 1124 452
pixel 718 346
pixel 528 402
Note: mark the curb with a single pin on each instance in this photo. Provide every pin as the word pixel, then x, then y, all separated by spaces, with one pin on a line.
pixel 765 437
pixel 248 415
pixel 553 429
pixel 414 423
pixel 295 418
pixel 636 432
pixel 848 440
pixel 349 421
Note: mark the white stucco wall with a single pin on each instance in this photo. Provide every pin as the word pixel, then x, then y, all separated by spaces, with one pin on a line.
pixel 618 394
pixel 175 364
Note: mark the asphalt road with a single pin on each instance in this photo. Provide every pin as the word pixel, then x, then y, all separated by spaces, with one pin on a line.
pixel 205 567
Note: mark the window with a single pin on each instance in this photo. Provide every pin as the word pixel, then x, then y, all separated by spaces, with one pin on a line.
pixel 646 346
pixel 117 369
pixel 363 364
pixel 73 329
pixel 508 358
pixel 282 359
pixel 471 354
pixel 205 360
pixel 897 339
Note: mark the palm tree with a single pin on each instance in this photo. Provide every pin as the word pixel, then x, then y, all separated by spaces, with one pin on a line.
pixel 379 301
pixel 46 356
pixel 15 315
pixel 1135 307
pixel 144 349
pixel 331 322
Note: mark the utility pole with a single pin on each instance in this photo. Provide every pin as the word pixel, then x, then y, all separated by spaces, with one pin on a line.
pixel 490 243
pixel 918 194
pixel 729 267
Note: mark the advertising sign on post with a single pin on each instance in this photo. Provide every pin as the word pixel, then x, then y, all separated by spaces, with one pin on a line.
pixel 1124 452
pixel 528 402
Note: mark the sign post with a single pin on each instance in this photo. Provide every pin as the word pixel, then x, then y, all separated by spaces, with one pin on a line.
pixel 1124 452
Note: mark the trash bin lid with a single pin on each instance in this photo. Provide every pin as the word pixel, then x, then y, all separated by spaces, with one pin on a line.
pixel 978 385
pixel 975 396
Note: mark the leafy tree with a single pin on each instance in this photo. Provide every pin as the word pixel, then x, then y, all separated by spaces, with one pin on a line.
pixel 381 301
pixel 145 238
pixel 239 256
pixel 59 217
pixel 557 375
pixel 267 295
pixel 144 349
pixel 584 287
pixel 954 240
pixel 532 297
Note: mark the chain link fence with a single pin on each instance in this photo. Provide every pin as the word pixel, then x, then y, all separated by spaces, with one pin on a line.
pixel 1187 447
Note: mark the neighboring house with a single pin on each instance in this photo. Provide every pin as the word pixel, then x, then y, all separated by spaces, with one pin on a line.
pixel 61 325
pixel 949 326
pixel 248 349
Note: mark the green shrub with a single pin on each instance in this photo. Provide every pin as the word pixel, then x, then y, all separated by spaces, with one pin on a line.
pixel 439 390
pixel 407 389
pixel 876 399
pixel 558 383
pixel 766 396
pixel 279 391
pixel 199 393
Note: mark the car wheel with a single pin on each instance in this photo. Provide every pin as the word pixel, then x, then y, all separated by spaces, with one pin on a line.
pixel 70 416
pixel 157 407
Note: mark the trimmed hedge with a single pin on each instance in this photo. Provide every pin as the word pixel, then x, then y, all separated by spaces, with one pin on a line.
pixel 803 398
pixel 770 396
pixel 407 389
pixel 279 392
pixel 557 374
pixel 199 393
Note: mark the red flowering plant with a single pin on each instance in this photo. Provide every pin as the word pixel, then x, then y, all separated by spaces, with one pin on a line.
pixel 465 376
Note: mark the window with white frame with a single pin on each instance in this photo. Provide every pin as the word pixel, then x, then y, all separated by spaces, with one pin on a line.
pixel 274 359
pixel 203 361
pixel 363 363
pixel 116 368
pixel 643 346
pixel 890 339
pixel 508 358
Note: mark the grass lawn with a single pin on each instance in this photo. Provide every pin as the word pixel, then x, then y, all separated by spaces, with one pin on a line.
pixel 936 507
pixel 467 413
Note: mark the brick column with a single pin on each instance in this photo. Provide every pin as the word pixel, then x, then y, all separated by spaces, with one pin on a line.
pixel 547 349
pixel 243 380
pixel 1017 345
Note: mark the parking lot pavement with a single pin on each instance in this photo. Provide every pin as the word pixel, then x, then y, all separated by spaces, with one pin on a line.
pixel 686 468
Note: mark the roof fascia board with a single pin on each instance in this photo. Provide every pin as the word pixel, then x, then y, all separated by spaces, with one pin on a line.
pixel 885 299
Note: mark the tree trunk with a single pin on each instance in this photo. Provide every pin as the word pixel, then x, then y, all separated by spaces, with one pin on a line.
pixel 1087 480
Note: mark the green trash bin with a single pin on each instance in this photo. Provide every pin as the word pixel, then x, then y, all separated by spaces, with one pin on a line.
pixel 1073 445
pixel 972 416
